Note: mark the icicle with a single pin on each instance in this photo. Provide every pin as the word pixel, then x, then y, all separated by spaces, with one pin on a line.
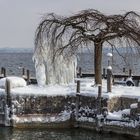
pixel 40 68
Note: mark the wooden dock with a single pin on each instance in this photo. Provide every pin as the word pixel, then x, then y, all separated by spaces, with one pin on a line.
pixel 32 80
pixel 117 76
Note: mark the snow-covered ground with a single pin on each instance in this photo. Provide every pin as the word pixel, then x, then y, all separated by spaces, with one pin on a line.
pixel 87 89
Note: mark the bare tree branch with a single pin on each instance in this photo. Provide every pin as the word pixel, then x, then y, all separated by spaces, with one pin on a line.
pixel 67 34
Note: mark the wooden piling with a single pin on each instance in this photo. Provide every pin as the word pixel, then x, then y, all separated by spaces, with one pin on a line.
pixel 78 86
pixel 109 80
pixel 124 70
pixel 3 71
pixel 99 99
pixel 138 108
pixel 137 83
pixel 104 73
pixel 8 92
pixel 77 98
pixel 23 71
pixel 78 81
pixel 99 91
pixel 130 72
pixel 79 74
pixel 77 105
pixel 8 106
pixel 28 77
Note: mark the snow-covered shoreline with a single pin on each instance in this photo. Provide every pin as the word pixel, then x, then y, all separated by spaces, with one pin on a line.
pixel 33 105
pixel 87 89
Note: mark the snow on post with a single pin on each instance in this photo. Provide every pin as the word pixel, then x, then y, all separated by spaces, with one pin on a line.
pixel 109 54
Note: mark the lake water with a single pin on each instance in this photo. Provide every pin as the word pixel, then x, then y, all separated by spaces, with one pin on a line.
pixel 61 134
pixel 14 62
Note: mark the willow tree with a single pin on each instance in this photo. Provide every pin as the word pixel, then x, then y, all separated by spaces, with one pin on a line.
pixel 88 28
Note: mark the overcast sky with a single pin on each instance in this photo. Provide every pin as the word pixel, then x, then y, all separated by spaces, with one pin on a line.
pixel 19 18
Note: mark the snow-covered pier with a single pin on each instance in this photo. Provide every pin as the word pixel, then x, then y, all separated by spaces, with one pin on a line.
pixel 55 106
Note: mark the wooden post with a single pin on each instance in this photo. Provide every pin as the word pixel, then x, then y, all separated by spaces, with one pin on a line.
pixel 130 72
pixel 78 81
pixel 28 77
pixel 77 105
pixel 78 86
pixel 79 74
pixel 99 91
pixel 23 71
pixel 137 83
pixel 8 91
pixel 124 70
pixel 77 98
pixel 104 74
pixel 3 71
pixel 99 99
pixel 138 109
pixel 109 80
pixel 8 103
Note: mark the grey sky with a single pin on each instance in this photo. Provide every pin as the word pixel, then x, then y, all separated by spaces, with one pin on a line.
pixel 19 18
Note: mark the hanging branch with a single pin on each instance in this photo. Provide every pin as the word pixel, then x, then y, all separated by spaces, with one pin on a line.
pixel 66 34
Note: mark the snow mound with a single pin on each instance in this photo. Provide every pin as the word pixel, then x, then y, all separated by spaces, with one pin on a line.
pixel 135 105
pixel 14 82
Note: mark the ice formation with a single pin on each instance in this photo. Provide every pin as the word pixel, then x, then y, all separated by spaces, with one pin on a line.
pixel 60 71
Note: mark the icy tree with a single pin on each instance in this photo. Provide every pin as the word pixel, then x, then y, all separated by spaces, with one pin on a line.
pixel 58 38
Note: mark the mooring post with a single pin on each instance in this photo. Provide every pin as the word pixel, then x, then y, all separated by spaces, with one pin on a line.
pixel 124 70
pixel 28 77
pixel 79 74
pixel 99 99
pixel 23 71
pixel 130 72
pixel 8 107
pixel 3 71
pixel 109 79
pixel 104 74
pixel 77 98
pixel 137 83
pixel 78 86
pixel 138 108
pixel 77 105
pixel 8 91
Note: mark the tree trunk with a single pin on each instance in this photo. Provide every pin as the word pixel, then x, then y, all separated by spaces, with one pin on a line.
pixel 98 62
